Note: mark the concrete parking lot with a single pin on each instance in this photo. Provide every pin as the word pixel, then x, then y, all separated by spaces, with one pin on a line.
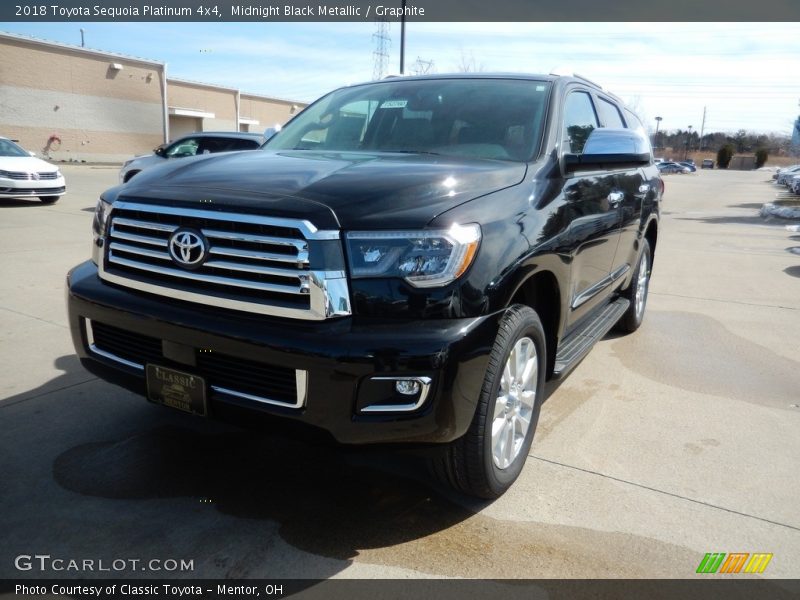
pixel 661 446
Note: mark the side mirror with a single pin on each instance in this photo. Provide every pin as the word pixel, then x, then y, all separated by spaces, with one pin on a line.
pixel 31 152
pixel 608 147
pixel 159 150
pixel 270 131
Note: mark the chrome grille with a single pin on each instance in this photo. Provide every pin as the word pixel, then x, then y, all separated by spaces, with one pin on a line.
pixel 25 176
pixel 254 263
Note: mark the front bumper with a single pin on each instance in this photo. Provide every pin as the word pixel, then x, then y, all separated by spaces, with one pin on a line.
pixel 20 188
pixel 343 365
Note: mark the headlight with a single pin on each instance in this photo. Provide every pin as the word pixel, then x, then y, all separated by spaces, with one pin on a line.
pixel 59 173
pixel 422 258
pixel 101 212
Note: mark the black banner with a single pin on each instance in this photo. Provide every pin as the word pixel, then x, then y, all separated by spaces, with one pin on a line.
pixel 394 10
pixel 744 588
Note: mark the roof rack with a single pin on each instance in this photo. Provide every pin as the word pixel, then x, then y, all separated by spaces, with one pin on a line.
pixel 561 72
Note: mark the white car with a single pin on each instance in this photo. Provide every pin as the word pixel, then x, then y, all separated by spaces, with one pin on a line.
pixel 23 175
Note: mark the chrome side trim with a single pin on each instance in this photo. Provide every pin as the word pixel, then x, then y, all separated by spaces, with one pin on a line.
pixel 94 349
pixel 425 384
pixel 598 287
pixel 310 232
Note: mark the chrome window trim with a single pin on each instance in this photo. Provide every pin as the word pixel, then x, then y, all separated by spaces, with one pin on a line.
pixel 425 384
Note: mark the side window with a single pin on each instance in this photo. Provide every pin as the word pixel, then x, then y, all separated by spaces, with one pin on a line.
pixel 579 121
pixel 609 114
pixel 185 147
pixel 243 145
pixel 634 122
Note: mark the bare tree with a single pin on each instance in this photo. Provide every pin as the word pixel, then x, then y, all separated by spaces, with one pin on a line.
pixel 468 64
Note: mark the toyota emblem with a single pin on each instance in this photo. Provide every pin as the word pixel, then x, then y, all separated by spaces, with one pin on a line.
pixel 188 248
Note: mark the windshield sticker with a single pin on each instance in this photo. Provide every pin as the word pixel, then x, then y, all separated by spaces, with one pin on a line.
pixel 394 104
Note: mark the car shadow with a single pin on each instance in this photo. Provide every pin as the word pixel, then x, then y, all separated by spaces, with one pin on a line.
pixel 21 202
pixel 332 501
pixel 749 205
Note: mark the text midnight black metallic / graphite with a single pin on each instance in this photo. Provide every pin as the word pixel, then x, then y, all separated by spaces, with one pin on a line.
pixel 406 262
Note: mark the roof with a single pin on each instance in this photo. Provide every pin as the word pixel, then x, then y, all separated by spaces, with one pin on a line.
pixel 43 42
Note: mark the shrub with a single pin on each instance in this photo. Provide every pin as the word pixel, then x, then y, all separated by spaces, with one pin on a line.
pixel 761 157
pixel 724 156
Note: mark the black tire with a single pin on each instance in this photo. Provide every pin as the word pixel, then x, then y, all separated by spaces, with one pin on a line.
pixel 467 464
pixel 633 317
pixel 49 199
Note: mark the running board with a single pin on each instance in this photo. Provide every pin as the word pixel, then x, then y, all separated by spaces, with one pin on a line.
pixel 578 343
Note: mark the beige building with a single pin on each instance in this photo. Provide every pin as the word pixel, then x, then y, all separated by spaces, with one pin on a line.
pixel 74 104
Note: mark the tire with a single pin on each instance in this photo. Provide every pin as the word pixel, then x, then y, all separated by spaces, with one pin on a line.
pixel 482 464
pixel 637 292
pixel 49 199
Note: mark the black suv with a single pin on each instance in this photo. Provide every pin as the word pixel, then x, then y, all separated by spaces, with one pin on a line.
pixel 407 261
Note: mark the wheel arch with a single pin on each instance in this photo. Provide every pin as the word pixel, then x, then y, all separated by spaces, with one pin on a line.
pixel 541 292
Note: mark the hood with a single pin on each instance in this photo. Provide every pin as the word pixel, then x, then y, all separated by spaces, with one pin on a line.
pixel 349 190
pixel 26 164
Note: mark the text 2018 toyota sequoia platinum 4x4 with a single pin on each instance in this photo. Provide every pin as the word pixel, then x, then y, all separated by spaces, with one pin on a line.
pixel 407 261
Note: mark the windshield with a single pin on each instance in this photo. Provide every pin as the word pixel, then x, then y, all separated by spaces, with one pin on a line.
pixel 480 118
pixel 9 148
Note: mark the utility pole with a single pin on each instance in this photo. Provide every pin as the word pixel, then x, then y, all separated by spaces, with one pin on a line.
pixel 83 43
pixel 403 40
pixel 702 128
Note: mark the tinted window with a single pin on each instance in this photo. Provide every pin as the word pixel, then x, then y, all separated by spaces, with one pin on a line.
pixel 579 120
pixel 185 147
pixel 485 118
pixel 634 122
pixel 610 114
pixel 244 145
pixel 9 148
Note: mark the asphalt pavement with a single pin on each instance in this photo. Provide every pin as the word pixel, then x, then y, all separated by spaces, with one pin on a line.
pixel 664 445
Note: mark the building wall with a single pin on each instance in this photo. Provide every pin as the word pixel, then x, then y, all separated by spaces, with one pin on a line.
pixel 196 96
pixel 71 104
pixel 97 112
pixel 267 111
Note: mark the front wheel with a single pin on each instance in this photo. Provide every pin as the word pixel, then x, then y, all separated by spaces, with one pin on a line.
pixel 490 456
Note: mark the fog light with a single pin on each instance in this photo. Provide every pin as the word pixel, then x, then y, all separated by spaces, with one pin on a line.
pixel 407 387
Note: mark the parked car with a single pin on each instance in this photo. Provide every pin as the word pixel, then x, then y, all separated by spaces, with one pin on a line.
pixel 206 142
pixel 794 184
pixel 672 167
pixel 406 262
pixel 707 164
pixel 784 175
pixel 22 175
pixel 689 165
pixel 780 170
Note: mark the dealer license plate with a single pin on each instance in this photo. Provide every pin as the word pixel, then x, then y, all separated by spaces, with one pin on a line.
pixel 177 389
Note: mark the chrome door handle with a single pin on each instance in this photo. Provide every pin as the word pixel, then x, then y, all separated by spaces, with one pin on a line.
pixel 615 198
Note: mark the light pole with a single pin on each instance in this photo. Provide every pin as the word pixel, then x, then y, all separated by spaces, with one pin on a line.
pixel 655 137
pixel 688 141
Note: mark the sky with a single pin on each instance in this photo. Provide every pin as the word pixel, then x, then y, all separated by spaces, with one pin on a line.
pixel 745 75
